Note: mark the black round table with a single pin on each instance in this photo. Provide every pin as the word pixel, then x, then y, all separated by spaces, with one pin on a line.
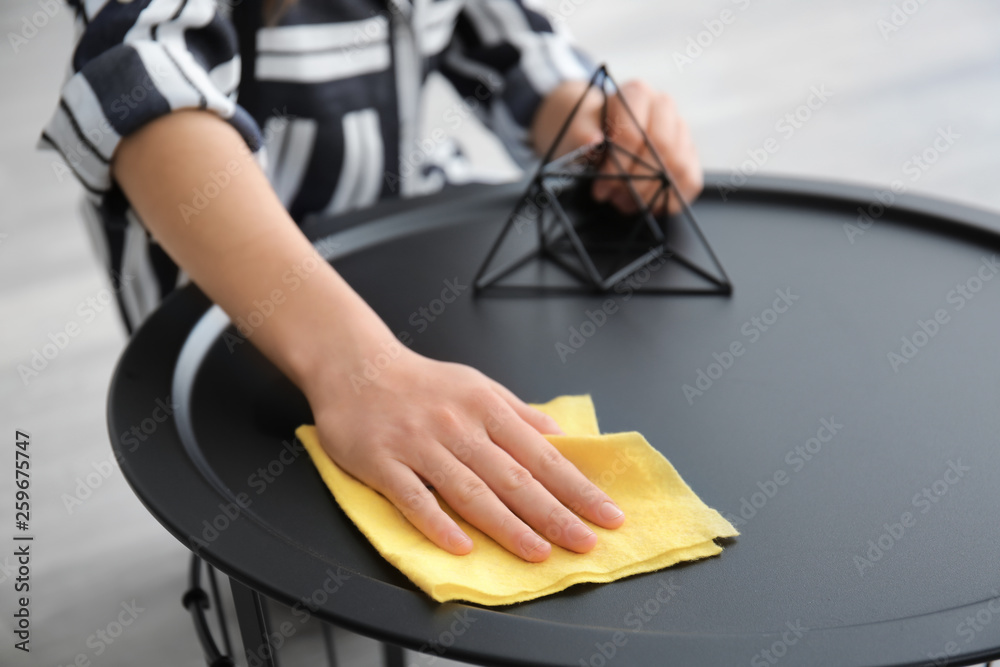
pixel 840 407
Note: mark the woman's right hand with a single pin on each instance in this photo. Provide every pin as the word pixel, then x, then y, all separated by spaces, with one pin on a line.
pixel 423 422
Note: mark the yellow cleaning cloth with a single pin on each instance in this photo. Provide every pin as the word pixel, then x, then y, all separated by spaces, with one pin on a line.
pixel 665 522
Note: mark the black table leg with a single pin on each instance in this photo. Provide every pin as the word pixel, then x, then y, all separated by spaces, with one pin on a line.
pixel 393 656
pixel 251 613
pixel 328 644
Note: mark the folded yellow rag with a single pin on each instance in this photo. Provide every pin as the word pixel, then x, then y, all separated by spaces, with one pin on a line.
pixel 665 522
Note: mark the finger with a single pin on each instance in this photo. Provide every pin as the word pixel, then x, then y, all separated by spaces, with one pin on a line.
pixel 663 132
pixel 623 131
pixel 411 497
pixel 680 159
pixel 473 500
pixel 556 473
pixel 585 128
pixel 540 421
pixel 527 498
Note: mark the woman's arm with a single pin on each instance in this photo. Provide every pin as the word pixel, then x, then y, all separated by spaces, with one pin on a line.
pixel 420 420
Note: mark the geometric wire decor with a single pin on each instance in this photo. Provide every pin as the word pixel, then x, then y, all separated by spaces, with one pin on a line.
pixel 558 239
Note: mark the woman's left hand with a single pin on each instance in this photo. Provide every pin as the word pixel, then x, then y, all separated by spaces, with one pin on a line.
pixel 654 111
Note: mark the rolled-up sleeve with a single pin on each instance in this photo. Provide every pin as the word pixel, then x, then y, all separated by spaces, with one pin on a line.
pixel 504 59
pixel 134 62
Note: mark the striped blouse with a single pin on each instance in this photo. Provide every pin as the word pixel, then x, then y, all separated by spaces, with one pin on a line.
pixel 327 98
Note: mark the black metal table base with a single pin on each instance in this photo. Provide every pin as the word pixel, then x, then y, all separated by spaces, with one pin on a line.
pixel 253 621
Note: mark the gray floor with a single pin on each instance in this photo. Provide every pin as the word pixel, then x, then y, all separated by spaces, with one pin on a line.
pixel 891 94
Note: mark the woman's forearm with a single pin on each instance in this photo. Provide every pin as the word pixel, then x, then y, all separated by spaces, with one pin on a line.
pixel 195 185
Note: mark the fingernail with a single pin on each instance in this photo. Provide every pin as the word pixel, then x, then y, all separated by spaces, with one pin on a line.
pixel 580 532
pixel 458 540
pixel 609 511
pixel 531 544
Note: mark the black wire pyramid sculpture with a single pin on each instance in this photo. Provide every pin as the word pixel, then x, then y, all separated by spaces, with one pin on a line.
pixel 558 239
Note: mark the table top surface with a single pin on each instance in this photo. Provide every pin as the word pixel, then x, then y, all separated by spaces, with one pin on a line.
pixel 851 439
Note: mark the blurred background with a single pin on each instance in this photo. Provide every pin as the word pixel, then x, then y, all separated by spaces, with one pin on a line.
pixel 894 76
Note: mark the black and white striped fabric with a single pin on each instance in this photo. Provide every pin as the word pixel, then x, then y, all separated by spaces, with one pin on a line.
pixel 328 101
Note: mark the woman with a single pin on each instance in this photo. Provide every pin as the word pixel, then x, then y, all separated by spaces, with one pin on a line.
pixel 204 134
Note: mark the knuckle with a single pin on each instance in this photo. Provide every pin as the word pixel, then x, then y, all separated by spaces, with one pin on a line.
pixel 516 477
pixel 471 488
pixel 551 459
pixel 497 415
pixel 558 521
pixel 440 476
pixel 377 446
pixel 447 418
pixel 511 525
pixel 482 397
pixel 463 451
pixel 407 427
pixel 411 499
pixel 560 516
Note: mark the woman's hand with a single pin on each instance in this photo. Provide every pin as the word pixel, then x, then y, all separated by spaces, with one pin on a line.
pixel 422 422
pixel 654 111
